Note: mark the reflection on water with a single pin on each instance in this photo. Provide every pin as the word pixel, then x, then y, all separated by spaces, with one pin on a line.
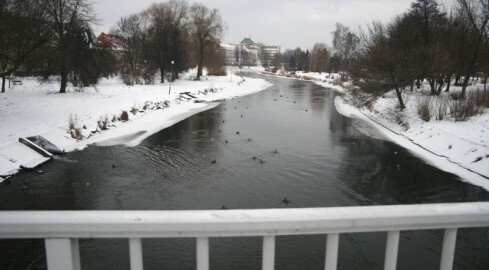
pixel 286 141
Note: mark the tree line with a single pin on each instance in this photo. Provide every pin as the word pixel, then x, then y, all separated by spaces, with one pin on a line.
pixel 316 61
pixel 170 36
pixel 322 58
pixel 427 42
pixel 55 37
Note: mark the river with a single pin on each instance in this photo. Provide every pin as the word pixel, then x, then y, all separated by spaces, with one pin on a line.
pixel 249 152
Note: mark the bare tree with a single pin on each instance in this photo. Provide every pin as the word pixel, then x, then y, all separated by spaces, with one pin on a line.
pixel 319 58
pixel 69 21
pixel 476 14
pixel 345 45
pixel 381 64
pixel 426 29
pixel 22 31
pixel 133 30
pixel 206 27
pixel 168 21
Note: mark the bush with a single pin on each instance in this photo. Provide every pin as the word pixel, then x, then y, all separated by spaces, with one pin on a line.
pixel 220 71
pixel 337 81
pixel 103 123
pixel 463 109
pixel 72 122
pixel 73 128
pixel 424 108
pixel 481 98
pixel 124 116
pixel 441 109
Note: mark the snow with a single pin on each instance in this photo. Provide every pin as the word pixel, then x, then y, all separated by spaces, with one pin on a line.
pixel 461 148
pixel 36 108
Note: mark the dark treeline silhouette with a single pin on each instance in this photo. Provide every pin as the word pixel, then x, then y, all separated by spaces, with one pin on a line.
pixel 55 37
pixel 51 37
pixel 316 61
pixel 427 42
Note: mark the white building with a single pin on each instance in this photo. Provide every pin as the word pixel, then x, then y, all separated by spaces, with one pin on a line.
pixel 249 53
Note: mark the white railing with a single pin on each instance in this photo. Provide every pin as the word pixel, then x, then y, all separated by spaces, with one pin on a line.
pixel 62 229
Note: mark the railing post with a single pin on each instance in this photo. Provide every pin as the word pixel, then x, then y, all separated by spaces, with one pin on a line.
pixel 391 250
pixel 448 251
pixel 62 254
pixel 136 253
pixel 268 262
pixel 331 258
pixel 202 253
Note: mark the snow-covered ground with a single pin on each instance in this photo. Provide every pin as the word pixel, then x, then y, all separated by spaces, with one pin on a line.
pixel 461 148
pixel 36 108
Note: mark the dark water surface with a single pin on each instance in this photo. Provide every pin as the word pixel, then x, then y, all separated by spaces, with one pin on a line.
pixel 322 160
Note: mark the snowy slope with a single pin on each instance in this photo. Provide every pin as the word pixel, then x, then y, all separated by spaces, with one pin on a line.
pixel 36 108
pixel 458 147
pixel 461 148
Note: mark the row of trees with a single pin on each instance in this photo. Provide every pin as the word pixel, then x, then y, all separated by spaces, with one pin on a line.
pixel 426 42
pixel 317 60
pixel 339 58
pixel 167 33
pixel 54 37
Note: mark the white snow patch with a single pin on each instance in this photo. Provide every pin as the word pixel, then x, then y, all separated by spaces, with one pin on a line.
pixel 461 148
pixel 36 108
pixel 450 146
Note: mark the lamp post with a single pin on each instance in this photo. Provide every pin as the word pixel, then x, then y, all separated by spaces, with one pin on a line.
pixel 171 78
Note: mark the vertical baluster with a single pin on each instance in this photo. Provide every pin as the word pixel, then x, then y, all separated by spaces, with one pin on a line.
pixel 268 262
pixel 331 259
pixel 391 250
pixel 62 254
pixel 448 251
pixel 136 253
pixel 202 253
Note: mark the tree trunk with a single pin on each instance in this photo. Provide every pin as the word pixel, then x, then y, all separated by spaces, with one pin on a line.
pixel 432 86
pixel 3 84
pixel 398 92
pixel 449 80
pixel 464 86
pixel 162 71
pixel 201 61
pixel 440 86
pixel 64 81
pixel 457 80
pixel 485 81
pixel 471 67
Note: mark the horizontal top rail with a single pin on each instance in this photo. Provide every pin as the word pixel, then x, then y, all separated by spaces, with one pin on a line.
pixel 233 223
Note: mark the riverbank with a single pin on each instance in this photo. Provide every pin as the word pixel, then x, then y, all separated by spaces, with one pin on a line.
pixel 461 148
pixel 94 115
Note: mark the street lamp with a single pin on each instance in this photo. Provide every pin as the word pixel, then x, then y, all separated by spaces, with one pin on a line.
pixel 171 78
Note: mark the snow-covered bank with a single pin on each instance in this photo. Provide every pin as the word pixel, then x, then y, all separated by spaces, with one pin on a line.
pixel 328 80
pixel 461 148
pixel 443 145
pixel 35 108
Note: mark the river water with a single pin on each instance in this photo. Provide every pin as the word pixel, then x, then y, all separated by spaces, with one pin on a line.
pixel 248 152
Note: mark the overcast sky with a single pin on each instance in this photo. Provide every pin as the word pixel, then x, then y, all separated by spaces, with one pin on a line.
pixel 288 23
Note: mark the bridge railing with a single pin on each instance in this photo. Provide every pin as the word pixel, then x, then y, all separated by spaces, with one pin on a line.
pixel 62 229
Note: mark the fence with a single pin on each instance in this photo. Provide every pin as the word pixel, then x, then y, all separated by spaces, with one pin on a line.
pixel 62 229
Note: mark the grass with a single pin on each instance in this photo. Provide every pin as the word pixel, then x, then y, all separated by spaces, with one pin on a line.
pixel 424 108
pixel 124 116
pixel 73 128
